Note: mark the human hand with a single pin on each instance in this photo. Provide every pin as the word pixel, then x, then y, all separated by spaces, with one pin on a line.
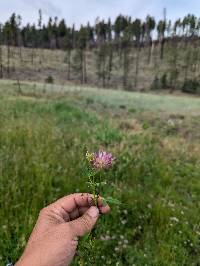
pixel 54 239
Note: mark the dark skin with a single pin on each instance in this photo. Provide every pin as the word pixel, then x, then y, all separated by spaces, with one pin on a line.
pixel 54 239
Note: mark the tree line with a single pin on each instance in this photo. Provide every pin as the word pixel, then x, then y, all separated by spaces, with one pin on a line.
pixel 105 38
pixel 57 35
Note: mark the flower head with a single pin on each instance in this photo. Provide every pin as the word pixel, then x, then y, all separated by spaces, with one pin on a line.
pixel 89 156
pixel 102 160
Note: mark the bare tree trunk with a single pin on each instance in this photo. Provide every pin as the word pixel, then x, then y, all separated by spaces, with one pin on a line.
pixel 187 63
pixel 152 50
pixel 8 59
pixel 196 59
pixel 84 66
pixel 98 64
pixel 19 85
pixel 149 53
pixel 125 66
pixel 101 65
pixel 69 65
pixel 174 70
pixel 137 65
pixel 103 69
pixel 32 57
pixel 20 52
pixel 162 42
pixel 110 63
pixel 1 62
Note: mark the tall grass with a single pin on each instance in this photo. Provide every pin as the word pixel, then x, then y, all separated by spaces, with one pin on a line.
pixel 42 144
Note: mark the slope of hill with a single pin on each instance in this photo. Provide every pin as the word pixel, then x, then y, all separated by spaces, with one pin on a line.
pixel 134 70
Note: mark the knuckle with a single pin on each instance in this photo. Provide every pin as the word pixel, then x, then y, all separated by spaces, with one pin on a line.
pixel 91 201
pixel 74 244
pixel 43 211
pixel 86 222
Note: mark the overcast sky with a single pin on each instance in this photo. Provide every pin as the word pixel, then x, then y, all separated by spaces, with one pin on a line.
pixel 81 11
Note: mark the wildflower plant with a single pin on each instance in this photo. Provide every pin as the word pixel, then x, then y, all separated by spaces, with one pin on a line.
pixel 98 163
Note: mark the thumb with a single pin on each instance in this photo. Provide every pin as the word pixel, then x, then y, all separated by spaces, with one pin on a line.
pixel 85 223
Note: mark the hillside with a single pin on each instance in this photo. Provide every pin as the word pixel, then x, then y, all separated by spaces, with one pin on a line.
pixel 178 70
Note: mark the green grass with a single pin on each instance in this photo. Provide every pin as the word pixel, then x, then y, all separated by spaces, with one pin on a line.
pixel 43 135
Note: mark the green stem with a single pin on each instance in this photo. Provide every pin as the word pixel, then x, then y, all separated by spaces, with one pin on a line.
pixel 94 189
pixel 100 178
pixel 95 192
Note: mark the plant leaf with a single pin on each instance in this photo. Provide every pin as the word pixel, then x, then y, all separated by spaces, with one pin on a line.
pixel 111 200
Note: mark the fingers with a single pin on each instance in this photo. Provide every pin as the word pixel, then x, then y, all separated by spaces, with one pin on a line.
pixel 80 211
pixel 73 201
pixel 77 212
pixel 103 208
pixel 85 223
pixel 79 201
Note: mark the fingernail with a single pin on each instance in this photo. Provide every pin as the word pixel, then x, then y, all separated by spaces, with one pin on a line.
pixel 93 212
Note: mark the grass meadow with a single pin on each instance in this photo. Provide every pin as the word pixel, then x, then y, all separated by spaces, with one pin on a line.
pixel 44 132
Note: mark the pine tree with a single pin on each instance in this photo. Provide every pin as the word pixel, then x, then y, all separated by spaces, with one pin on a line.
pixel 7 37
pixel 149 27
pixel 68 47
pixel 125 45
pixel 61 34
pixel 137 31
pixel 19 37
pixel 40 36
pixel 161 36
pixel 80 55
pixel 110 50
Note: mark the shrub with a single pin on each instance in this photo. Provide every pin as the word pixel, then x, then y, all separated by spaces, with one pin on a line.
pixel 49 80
pixel 173 76
pixel 191 86
pixel 89 100
pixel 156 84
pixel 163 81
pixel 160 83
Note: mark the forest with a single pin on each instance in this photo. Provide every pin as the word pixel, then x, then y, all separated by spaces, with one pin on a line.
pixel 127 53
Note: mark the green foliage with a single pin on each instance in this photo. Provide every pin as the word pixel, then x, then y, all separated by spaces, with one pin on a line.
pixel 164 81
pixel 108 136
pixel 89 101
pixel 155 178
pixel 116 51
pixel 49 80
pixel 191 86
pixel 174 73
pixel 160 83
pixel 156 85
